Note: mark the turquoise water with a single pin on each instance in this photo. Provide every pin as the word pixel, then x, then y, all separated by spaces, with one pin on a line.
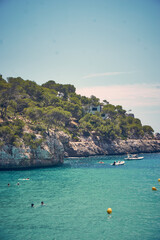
pixel 77 196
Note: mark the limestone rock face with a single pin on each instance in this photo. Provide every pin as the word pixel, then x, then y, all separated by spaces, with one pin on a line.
pixel 94 146
pixel 65 140
pixel 58 144
pixel 50 153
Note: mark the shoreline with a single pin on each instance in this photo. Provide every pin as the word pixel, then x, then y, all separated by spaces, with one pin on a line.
pixel 87 147
pixel 67 158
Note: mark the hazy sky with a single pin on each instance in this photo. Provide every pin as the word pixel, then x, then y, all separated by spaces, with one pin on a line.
pixel 106 48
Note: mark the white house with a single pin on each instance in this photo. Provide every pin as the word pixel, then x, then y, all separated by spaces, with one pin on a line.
pixel 60 94
pixel 93 109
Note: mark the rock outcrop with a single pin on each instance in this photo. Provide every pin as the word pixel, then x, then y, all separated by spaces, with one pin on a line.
pixel 50 153
pixel 59 145
pixel 94 146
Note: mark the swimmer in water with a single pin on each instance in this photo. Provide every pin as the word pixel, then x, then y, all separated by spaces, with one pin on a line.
pixel 32 204
pixel 42 203
pixel 18 183
pixel 8 184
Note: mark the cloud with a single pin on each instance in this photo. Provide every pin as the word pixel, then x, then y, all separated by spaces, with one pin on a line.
pixel 128 96
pixel 104 74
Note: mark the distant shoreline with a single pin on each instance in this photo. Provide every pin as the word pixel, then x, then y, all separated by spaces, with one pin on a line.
pixel 90 147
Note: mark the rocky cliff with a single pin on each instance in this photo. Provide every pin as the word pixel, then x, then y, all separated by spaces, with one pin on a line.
pixel 90 146
pixel 50 153
pixel 59 145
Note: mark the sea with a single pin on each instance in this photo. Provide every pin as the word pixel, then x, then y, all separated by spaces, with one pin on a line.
pixel 76 197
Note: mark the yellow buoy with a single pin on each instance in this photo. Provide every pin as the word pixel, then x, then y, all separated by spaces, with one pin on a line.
pixel 109 210
pixel 154 188
pixel 158 179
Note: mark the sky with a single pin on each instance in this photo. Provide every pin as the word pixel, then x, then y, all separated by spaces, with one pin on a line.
pixel 106 48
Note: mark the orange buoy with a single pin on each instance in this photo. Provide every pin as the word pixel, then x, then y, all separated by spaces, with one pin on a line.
pixel 158 179
pixel 154 188
pixel 109 210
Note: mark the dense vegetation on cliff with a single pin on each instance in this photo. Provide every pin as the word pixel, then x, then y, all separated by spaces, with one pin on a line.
pixel 27 105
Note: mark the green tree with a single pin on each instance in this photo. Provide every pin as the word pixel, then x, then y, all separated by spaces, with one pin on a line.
pixel 85 100
pixel 6 96
pixel 94 100
pixel 50 98
pixel 110 110
pixel 148 129
pixel 74 109
pixel 11 132
pixel 34 113
pixel 30 140
pixel 56 116
pixel 120 110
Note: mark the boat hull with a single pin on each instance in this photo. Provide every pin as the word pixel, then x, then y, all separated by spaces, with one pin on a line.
pixel 118 163
pixel 132 158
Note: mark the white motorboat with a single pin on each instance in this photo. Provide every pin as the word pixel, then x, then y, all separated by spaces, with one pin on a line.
pixel 133 157
pixel 118 163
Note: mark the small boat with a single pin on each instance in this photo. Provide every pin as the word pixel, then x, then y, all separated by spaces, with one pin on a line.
pixel 133 157
pixel 118 163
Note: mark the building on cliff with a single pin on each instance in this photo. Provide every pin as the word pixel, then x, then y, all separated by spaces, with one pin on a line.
pixel 93 109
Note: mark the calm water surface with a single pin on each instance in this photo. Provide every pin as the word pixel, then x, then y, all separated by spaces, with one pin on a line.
pixel 77 196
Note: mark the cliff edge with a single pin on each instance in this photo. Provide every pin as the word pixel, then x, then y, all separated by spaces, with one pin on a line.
pixel 90 146
pixel 49 153
pixel 58 145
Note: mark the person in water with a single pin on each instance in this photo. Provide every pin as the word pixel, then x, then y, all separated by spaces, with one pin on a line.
pixel 32 204
pixel 42 203
pixel 8 184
